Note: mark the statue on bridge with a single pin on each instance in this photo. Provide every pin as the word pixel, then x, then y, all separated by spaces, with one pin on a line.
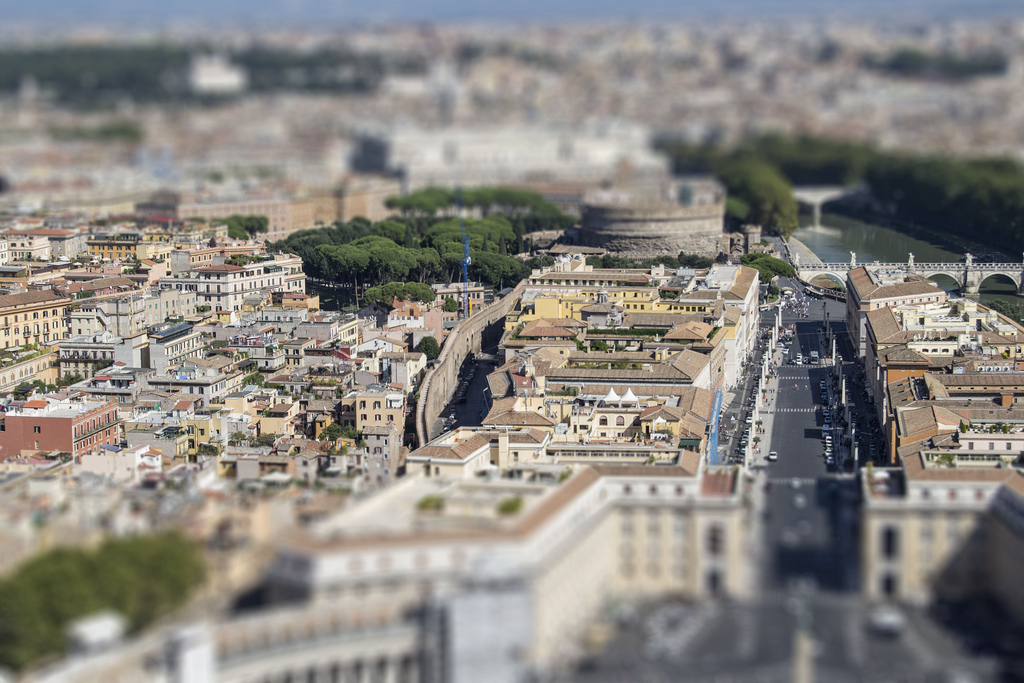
pixel 796 259
pixel 910 261
pixel 968 259
pixel 853 259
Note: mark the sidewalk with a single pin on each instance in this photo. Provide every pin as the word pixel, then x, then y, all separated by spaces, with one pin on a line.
pixel 766 414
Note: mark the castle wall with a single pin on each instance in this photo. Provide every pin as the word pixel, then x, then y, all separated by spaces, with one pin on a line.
pixel 642 232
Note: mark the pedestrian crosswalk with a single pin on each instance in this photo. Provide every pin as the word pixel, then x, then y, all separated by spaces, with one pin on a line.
pixel 787 481
pixel 796 410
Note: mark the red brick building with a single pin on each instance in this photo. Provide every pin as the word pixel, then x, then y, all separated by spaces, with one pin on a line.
pixel 49 425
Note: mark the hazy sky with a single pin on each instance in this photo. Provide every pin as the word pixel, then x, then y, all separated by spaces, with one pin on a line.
pixel 320 12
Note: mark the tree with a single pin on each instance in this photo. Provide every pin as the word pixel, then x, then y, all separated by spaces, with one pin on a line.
pixel 429 347
pixel 450 305
pixel 408 291
pixel 768 266
pixel 141 577
pixel 246 227
pixel 765 191
pixel 332 432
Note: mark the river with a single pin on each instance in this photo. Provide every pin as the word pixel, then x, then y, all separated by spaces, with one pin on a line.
pixel 837 236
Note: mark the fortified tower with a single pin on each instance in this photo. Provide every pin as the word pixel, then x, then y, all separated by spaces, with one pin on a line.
pixel 682 216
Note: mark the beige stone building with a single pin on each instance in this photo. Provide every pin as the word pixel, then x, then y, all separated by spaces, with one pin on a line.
pixel 546 553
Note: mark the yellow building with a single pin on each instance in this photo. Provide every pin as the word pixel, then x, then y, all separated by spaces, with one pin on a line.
pixel 33 317
pixel 122 246
pixel 200 429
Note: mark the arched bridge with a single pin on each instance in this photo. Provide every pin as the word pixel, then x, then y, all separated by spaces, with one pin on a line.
pixel 968 274
pixel 816 195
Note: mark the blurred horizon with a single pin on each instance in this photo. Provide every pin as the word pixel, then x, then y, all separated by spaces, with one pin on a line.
pixel 306 13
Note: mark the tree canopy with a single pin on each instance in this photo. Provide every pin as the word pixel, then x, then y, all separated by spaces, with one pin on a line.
pixel 408 291
pixel 768 266
pixel 409 250
pixel 142 578
pixel 245 227
pixel 429 347
pixel 504 200
pixel 983 197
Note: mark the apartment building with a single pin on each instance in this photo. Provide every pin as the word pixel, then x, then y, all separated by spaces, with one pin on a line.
pixel 382 462
pixel 120 316
pixel 64 244
pixel 27 247
pixel 88 355
pixel 66 426
pixel 726 298
pixel 367 196
pixel 610 534
pixel 171 344
pixel 284 215
pixel 264 350
pixel 479 295
pixel 120 384
pixel 225 287
pixel 33 317
pixel 868 289
pixel 183 261
pixel 206 383
pixel 925 524
pixel 378 406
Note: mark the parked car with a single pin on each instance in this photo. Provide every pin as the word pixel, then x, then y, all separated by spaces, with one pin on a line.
pixel 886 621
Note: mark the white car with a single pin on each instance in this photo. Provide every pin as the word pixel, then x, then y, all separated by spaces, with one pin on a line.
pixel 773 456
pixel 886 621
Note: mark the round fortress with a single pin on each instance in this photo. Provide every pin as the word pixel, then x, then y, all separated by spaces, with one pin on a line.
pixel 682 218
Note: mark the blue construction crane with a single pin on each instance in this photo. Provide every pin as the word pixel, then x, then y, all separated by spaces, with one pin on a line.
pixel 466 260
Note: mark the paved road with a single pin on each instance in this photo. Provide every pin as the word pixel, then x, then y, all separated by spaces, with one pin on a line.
pixel 809 564
pixel 473 411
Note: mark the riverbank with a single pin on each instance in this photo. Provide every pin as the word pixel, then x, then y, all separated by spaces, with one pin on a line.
pixel 957 243
pixel 798 248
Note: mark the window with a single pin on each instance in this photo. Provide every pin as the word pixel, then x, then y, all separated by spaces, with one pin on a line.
pixel 603 422
pixel 714 540
pixel 620 421
pixel 37 429
pixel 890 543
